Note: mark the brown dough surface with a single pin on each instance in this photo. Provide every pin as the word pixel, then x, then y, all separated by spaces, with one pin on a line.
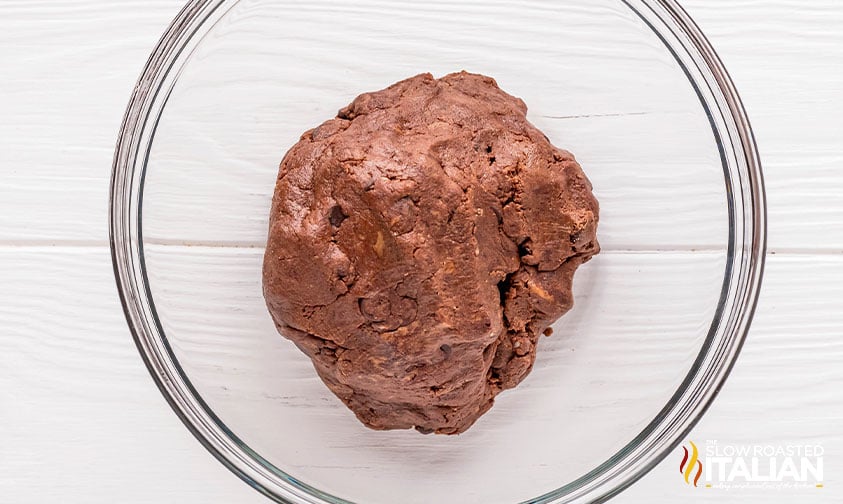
pixel 419 245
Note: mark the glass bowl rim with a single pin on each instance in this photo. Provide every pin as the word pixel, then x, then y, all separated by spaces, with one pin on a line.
pixel 741 286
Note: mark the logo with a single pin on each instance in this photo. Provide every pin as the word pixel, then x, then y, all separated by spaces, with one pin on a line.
pixel 768 466
pixel 691 464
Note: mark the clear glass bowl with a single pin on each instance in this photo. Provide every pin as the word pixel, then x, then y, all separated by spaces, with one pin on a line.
pixel 630 86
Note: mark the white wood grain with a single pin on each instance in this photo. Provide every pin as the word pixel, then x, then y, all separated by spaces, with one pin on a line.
pixel 62 107
pixel 604 87
pixel 784 389
pixel 69 67
pixel 612 362
pixel 82 420
pixel 651 196
pixel 73 389
pixel 785 57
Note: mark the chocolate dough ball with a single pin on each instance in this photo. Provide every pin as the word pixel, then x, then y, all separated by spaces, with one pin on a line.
pixel 419 245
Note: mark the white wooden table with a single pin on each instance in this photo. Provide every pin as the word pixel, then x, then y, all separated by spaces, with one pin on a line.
pixel 81 419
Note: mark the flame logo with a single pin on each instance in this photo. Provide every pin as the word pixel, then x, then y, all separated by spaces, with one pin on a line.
pixel 686 467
